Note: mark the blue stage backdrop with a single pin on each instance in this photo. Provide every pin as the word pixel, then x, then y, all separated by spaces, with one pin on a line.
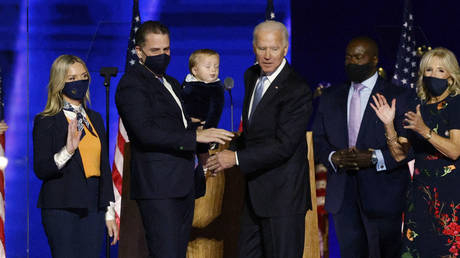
pixel 98 31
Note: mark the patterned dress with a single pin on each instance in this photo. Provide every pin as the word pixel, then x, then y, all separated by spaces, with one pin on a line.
pixel 431 226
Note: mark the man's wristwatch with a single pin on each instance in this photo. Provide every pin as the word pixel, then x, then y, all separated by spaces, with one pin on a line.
pixel 374 158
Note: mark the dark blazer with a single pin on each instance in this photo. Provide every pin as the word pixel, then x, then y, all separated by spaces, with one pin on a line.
pixel 162 149
pixel 381 193
pixel 272 150
pixel 66 187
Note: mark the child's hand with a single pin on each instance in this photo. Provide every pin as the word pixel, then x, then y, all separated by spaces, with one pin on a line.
pixel 195 120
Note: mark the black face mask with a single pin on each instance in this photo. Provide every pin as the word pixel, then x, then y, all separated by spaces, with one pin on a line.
pixel 358 73
pixel 76 89
pixel 435 86
pixel 157 64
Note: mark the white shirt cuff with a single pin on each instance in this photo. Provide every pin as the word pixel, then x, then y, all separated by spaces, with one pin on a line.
pixel 236 158
pixel 380 166
pixel 110 213
pixel 330 161
pixel 62 157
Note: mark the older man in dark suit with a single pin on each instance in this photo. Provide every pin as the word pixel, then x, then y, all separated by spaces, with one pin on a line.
pixel 365 185
pixel 162 145
pixel 272 151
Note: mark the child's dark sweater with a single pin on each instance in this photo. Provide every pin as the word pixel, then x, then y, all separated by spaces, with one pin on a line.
pixel 204 101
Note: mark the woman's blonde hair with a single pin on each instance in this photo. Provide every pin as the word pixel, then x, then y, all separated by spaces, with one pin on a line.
pixel 58 74
pixel 449 62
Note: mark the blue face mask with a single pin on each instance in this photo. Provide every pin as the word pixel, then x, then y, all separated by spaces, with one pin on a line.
pixel 76 89
pixel 435 86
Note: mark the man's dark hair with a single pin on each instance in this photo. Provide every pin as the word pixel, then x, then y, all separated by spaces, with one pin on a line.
pixel 147 27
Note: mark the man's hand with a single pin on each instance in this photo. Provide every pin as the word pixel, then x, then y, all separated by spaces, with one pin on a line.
pixel 363 158
pixel 213 135
pixel 353 158
pixel 112 230
pixel 220 161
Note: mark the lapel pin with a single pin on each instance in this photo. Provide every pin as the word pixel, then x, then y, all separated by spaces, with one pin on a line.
pixel 276 87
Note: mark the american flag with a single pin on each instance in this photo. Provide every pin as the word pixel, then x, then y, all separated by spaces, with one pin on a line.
pixel 131 56
pixel 122 136
pixel 407 60
pixel 2 177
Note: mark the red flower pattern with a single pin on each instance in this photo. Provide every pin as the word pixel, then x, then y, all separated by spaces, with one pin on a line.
pixel 448 222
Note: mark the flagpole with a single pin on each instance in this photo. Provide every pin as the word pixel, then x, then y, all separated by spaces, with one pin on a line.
pixel 3 163
pixel 122 138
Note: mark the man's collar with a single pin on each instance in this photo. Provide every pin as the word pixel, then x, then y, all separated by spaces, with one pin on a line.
pixel 191 78
pixel 271 77
pixel 370 82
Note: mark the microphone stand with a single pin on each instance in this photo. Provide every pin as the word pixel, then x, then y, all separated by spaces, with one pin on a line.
pixel 107 73
pixel 231 108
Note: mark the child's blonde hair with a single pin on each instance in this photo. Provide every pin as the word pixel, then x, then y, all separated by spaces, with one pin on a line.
pixel 193 59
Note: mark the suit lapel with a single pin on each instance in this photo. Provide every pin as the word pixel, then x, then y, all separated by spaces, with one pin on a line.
pixel 156 84
pixel 250 85
pixel 274 88
pixel 369 116
pixel 341 111
pixel 100 131
pixel 177 90
pixel 271 91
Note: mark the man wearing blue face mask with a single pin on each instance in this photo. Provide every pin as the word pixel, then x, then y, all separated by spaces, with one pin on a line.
pixel 162 144
pixel 366 185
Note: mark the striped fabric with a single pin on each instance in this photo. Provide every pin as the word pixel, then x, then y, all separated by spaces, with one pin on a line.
pixel 117 168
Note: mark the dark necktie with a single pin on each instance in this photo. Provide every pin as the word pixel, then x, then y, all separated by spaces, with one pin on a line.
pixel 81 120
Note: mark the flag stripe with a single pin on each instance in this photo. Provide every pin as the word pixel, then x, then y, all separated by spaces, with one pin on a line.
pixel 122 136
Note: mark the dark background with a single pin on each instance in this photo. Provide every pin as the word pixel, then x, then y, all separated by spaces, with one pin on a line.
pixel 35 32
pixel 322 29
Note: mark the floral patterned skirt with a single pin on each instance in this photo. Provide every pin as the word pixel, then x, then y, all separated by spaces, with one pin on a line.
pixel 431 226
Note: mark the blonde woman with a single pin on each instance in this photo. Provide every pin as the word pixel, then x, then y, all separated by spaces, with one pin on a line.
pixel 70 158
pixel 431 226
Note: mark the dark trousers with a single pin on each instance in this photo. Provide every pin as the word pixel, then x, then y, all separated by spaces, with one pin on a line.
pixel 274 237
pixel 76 232
pixel 361 236
pixel 167 224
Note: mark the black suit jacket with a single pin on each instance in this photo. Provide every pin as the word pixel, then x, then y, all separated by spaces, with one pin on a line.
pixel 272 150
pixel 162 149
pixel 381 193
pixel 66 187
